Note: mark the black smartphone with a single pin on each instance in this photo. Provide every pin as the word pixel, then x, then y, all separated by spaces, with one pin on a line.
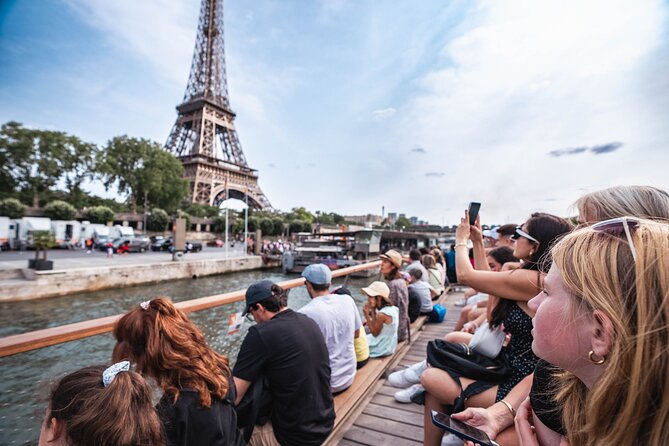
pixel 461 430
pixel 473 211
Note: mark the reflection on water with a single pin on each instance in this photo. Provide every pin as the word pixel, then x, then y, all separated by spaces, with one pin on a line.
pixel 25 377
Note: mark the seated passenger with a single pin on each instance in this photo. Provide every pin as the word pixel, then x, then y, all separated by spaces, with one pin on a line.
pixel 391 262
pixel 197 406
pixel 100 405
pixel 415 255
pixel 434 276
pixel 423 290
pixel 338 319
pixel 382 318
pixel 360 341
pixel 415 301
pixel 287 350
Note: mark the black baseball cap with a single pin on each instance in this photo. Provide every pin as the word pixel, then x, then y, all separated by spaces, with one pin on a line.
pixel 258 292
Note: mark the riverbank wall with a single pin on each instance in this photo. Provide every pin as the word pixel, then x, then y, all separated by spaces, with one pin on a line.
pixel 43 284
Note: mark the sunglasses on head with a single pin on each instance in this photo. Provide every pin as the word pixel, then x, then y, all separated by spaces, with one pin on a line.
pixel 520 233
pixel 618 226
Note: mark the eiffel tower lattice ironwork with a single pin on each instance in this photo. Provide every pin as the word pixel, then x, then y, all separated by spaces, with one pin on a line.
pixel 204 136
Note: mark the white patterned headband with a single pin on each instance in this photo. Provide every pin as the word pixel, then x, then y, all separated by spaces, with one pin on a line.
pixel 110 373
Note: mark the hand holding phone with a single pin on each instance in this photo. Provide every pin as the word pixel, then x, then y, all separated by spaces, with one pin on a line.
pixel 461 430
pixel 473 212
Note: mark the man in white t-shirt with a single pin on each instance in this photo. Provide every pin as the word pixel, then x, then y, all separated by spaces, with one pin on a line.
pixel 414 255
pixel 339 320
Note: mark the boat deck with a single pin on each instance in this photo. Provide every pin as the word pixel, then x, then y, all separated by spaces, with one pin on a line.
pixel 383 420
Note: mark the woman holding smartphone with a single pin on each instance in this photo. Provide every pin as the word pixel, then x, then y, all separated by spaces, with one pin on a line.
pixel 513 289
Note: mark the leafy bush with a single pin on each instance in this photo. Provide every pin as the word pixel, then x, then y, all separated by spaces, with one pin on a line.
pixel 157 220
pixel 12 208
pixel 266 226
pixel 299 226
pixel 278 226
pixel 60 210
pixel 100 214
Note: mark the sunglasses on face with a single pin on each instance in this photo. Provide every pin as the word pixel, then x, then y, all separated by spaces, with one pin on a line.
pixel 520 233
pixel 618 226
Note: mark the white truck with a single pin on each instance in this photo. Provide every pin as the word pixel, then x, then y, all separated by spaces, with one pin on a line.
pixel 66 232
pixel 21 234
pixel 4 233
pixel 119 231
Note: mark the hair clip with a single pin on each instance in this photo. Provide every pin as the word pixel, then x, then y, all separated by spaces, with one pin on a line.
pixel 110 373
pixel 145 305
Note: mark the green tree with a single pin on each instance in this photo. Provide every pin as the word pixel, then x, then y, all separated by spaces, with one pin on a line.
pixel 201 210
pixel 35 161
pixel 277 223
pixel 266 226
pixel 254 224
pixel 402 222
pixel 157 220
pixel 299 226
pixel 300 214
pixel 142 169
pixel 60 210
pixel 12 208
pixel 100 214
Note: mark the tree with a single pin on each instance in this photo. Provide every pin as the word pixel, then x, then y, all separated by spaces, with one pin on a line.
pixel 142 169
pixel 201 210
pixel 35 161
pixel 266 226
pixel 12 208
pixel 300 214
pixel 100 214
pixel 60 210
pixel 277 223
pixel 299 226
pixel 254 224
pixel 403 223
pixel 157 220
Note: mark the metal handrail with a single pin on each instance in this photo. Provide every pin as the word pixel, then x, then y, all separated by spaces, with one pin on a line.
pixel 11 345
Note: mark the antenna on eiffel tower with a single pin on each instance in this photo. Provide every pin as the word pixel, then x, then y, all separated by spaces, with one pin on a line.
pixel 204 137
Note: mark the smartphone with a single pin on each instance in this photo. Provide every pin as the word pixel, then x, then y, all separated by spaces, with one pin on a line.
pixel 461 430
pixel 473 211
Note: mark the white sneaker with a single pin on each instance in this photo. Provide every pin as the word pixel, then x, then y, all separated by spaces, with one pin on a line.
pixel 451 440
pixel 404 396
pixel 405 378
pixel 460 303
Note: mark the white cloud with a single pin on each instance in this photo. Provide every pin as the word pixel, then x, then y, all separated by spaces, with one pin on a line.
pixel 524 78
pixel 383 114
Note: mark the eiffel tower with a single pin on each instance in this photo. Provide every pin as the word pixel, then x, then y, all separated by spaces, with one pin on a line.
pixel 204 136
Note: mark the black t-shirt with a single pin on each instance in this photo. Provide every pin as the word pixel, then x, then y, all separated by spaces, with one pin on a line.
pixel 290 351
pixel 187 423
pixel 544 386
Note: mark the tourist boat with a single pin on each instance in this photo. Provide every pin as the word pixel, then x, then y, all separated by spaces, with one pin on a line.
pixel 338 250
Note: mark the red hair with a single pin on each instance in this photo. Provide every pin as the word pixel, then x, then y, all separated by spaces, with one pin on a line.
pixel 168 347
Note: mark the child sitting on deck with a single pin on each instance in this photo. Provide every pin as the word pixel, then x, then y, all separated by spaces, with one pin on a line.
pixel 382 319
pixel 101 405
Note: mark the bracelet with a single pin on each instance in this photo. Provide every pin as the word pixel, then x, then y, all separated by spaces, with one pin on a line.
pixel 510 407
pixel 460 244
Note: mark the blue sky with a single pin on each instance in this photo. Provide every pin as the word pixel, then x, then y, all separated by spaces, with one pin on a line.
pixel 348 106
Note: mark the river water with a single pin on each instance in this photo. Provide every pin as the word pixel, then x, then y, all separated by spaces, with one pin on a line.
pixel 25 378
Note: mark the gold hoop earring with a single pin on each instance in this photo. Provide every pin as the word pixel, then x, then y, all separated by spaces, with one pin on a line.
pixel 596 361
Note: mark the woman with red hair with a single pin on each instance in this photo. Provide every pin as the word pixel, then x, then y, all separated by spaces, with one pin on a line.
pixel 197 404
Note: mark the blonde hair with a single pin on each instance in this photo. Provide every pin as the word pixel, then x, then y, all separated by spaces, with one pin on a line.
pixel 629 403
pixel 618 201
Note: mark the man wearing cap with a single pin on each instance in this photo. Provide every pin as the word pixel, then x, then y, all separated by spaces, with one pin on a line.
pixel 338 319
pixel 287 349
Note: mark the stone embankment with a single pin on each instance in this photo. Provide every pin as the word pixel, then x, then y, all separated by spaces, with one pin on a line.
pixel 42 284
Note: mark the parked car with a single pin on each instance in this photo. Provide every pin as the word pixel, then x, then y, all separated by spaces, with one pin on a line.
pixel 140 243
pixel 161 244
pixel 195 246
pixel 218 243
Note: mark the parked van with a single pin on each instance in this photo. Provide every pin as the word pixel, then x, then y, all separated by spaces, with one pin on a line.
pixel 119 231
pixel 66 232
pixel 21 235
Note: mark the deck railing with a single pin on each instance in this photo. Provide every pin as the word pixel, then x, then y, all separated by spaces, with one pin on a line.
pixel 34 340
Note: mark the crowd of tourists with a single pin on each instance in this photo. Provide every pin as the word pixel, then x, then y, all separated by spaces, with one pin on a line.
pixel 563 339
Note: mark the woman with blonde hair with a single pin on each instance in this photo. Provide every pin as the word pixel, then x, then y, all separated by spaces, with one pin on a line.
pixel 434 277
pixel 639 201
pixel 197 404
pixel 608 288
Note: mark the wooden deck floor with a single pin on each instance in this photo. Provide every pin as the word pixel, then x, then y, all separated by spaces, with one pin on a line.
pixel 384 421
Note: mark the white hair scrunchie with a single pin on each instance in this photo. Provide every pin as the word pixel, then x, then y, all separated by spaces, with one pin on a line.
pixel 110 373
pixel 145 304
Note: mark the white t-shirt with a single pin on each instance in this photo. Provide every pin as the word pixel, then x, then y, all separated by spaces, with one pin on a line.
pixel 423 290
pixel 338 318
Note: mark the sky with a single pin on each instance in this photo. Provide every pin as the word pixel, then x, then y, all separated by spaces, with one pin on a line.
pixel 358 106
